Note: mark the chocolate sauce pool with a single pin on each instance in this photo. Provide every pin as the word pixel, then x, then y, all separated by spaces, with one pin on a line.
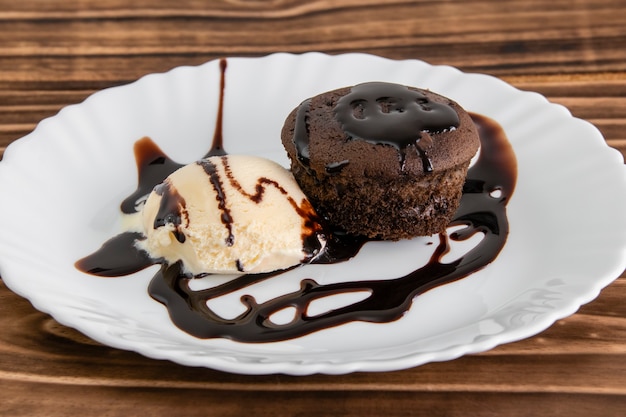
pixel 489 185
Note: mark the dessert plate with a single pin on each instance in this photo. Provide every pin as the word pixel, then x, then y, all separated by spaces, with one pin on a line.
pixel 63 184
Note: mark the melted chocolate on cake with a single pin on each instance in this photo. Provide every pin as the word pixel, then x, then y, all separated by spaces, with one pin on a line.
pixel 482 210
pixel 383 114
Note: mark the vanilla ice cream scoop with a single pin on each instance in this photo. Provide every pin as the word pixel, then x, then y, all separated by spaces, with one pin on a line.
pixel 231 214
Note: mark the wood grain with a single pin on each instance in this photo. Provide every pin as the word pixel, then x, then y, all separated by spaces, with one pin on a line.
pixel 57 53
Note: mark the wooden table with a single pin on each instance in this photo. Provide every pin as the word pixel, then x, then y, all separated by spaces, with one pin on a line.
pixel 56 53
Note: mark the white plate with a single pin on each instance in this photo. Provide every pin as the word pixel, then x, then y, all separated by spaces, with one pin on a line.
pixel 62 185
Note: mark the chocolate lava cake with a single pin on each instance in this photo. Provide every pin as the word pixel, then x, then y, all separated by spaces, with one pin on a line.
pixel 381 160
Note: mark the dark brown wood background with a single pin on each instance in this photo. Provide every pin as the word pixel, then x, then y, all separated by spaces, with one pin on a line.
pixel 55 53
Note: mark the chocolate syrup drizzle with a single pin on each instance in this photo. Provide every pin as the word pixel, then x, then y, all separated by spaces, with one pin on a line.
pixel 488 188
pixel 172 209
pixel 154 166
pixel 227 220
